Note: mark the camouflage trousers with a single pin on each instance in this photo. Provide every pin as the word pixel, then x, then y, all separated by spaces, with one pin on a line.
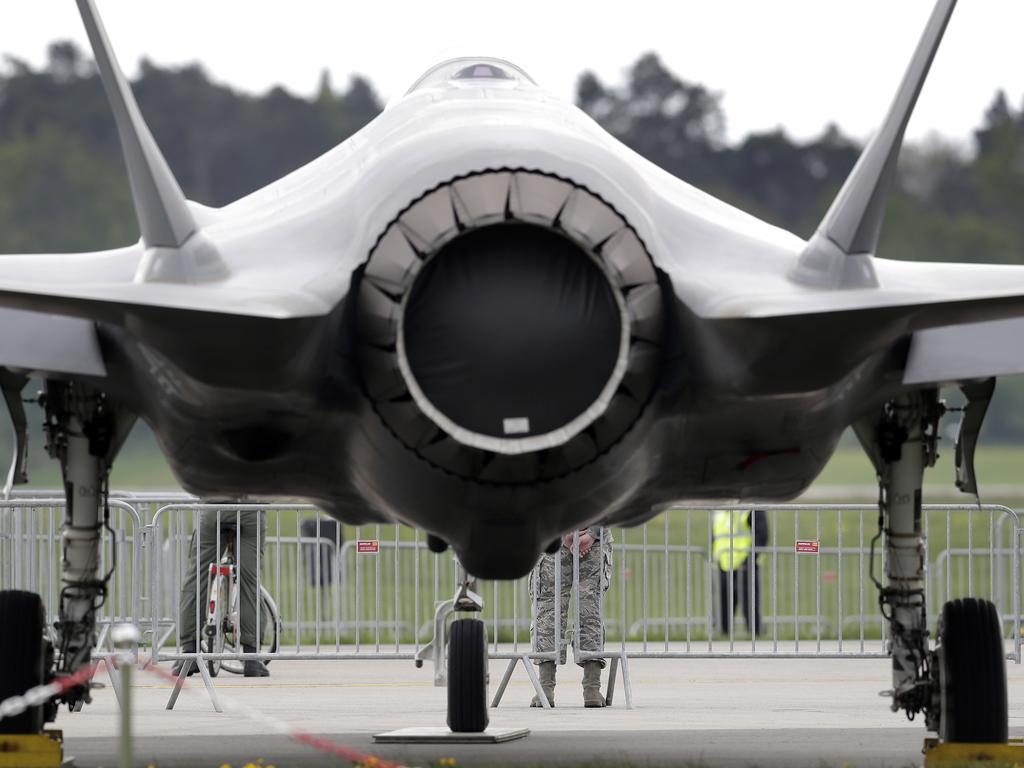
pixel 595 570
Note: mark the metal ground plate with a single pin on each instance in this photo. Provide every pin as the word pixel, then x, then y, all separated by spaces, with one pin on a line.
pixel 443 735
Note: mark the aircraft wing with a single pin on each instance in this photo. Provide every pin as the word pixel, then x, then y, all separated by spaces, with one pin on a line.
pixel 103 286
pixel 43 343
pixel 927 293
pixel 957 353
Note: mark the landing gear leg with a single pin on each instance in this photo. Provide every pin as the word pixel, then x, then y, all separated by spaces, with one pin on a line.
pixel 80 430
pixel 466 675
pixel 904 444
pixel 960 686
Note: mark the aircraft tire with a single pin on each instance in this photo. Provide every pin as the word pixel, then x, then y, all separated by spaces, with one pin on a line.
pixel 972 673
pixel 467 676
pixel 22 656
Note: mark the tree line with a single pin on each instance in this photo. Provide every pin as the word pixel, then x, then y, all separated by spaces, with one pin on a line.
pixel 63 186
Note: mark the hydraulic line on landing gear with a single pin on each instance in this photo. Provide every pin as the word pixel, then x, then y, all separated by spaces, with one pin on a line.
pixel 906 441
pixel 79 430
pixel 919 697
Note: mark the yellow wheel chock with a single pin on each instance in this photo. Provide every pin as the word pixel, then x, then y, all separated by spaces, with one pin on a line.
pixel 939 755
pixel 41 750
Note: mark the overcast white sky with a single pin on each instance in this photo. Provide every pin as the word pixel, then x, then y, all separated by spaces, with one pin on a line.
pixel 791 63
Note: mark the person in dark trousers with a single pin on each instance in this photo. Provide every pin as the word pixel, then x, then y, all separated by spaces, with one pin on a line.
pixel 734 533
pixel 247 530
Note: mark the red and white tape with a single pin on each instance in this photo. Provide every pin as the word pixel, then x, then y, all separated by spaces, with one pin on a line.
pixel 40 694
pixel 302 737
pixel 33 697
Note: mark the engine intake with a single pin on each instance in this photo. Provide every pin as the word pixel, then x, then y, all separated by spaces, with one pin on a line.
pixel 509 326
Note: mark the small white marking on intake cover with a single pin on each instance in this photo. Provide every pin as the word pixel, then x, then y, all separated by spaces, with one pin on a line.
pixel 517 426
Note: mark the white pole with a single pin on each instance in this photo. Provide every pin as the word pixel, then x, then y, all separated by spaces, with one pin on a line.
pixel 126 639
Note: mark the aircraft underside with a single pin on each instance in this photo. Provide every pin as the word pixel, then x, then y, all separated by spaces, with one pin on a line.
pixel 324 441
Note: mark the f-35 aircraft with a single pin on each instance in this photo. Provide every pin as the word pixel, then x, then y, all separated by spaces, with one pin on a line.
pixel 485 317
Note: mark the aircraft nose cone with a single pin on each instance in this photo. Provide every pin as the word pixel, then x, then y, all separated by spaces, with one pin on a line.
pixel 512 330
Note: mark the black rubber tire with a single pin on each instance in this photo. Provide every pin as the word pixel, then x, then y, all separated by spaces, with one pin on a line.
pixel 467 676
pixel 972 673
pixel 22 656
pixel 213 666
pixel 271 641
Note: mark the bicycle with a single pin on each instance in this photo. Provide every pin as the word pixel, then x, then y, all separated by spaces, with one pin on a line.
pixel 222 630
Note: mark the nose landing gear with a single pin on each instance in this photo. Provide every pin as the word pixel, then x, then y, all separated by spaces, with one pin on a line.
pixel 466 673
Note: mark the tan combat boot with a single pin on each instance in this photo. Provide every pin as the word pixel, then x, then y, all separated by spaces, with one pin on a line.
pixel 592 696
pixel 547 682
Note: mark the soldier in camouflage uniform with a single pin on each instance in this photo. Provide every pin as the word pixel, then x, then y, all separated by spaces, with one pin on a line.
pixel 595 546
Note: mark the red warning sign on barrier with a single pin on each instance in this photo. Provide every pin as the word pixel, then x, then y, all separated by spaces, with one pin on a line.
pixel 368 546
pixel 808 547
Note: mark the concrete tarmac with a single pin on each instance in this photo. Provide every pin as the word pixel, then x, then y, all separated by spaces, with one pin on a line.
pixel 698 712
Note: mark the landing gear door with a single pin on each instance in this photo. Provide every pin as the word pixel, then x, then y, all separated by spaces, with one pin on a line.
pixel 11 385
pixel 979 395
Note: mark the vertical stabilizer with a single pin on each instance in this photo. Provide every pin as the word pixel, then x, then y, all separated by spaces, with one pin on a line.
pixel 175 250
pixel 840 251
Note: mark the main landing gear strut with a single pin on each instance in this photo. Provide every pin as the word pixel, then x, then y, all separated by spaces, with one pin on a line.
pixel 960 685
pixel 80 431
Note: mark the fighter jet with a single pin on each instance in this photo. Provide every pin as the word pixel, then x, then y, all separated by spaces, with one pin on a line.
pixel 485 317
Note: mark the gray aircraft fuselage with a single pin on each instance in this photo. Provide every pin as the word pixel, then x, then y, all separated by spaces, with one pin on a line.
pixel 292 419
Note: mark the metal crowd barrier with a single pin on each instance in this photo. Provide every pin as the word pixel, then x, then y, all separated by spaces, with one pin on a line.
pixel 371 591
pixel 30 555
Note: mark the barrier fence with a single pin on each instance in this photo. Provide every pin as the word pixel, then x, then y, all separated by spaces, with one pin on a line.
pixel 370 592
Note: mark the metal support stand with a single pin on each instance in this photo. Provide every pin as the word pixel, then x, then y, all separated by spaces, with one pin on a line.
pixel 434 651
pixel 524 658
pixel 207 683
pixel 627 685
pixel 619 664
pixel 465 600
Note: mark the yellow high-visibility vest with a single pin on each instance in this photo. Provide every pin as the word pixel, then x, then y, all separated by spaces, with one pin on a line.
pixel 731 538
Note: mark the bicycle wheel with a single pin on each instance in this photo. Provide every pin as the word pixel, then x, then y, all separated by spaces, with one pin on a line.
pixel 232 633
pixel 270 640
pixel 271 620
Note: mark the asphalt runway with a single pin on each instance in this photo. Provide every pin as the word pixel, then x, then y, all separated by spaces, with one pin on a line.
pixel 708 713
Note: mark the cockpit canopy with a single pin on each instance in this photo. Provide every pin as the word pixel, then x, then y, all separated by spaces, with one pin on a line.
pixel 471 71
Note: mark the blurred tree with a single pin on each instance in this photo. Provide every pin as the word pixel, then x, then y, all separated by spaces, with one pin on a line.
pixel 221 144
pixel 673 123
pixel 58 194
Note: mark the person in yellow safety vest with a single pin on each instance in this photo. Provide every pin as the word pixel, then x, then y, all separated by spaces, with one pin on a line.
pixel 733 533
